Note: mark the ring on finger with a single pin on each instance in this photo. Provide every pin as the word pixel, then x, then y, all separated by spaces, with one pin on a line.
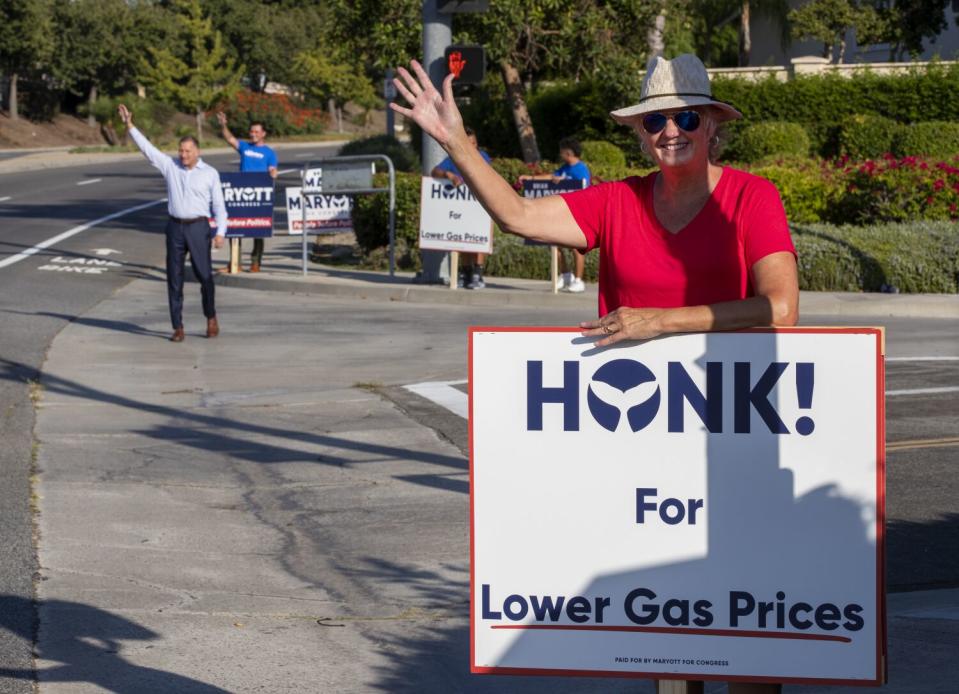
pixel 606 328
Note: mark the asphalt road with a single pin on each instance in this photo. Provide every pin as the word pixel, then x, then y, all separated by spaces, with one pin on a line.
pixel 39 295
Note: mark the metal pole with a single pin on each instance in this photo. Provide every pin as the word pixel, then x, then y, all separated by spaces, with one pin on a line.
pixel 389 163
pixel 303 204
pixel 390 116
pixel 437 35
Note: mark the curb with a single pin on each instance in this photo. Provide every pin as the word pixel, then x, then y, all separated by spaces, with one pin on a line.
pixel 500 293
pixel 495 294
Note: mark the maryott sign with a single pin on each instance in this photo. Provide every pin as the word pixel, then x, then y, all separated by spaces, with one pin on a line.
pixel 704 506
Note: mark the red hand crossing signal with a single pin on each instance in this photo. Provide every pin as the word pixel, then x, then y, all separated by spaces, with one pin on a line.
pixel 467 63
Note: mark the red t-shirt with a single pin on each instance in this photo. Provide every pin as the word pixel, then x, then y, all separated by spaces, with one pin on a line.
pixel 641 264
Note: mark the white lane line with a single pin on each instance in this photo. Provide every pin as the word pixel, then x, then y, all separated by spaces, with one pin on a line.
pixel 4 199
pixel 89 181
pixel 443 394
pixel 922 391
pixel 922 358
pixel 74 231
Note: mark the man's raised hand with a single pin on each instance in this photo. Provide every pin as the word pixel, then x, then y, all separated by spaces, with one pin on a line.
pixel 125 115
pixel 436 114
pixel 221 117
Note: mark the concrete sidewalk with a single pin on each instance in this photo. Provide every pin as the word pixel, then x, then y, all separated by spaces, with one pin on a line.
pixel 282 271
pixel 247 514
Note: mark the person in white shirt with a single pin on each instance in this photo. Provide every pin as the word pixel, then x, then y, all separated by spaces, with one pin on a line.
pixel 193 190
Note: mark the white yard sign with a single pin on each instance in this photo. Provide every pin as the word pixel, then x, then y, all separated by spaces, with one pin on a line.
pixel 451 219
pixel 704 506
pixel 325 213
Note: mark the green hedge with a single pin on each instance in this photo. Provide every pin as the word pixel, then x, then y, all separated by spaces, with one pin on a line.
pixel 865 136
pixel 916 257
pixel 933 138
pixel 773 138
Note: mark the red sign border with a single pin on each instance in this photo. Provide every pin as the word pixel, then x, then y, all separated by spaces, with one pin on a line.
pixel 881 630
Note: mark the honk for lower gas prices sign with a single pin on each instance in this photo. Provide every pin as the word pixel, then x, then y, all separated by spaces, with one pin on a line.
pixel 704 506
pixel 452 219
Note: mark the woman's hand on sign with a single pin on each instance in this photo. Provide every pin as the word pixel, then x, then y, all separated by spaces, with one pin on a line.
pixel 436 114
pixel 625 324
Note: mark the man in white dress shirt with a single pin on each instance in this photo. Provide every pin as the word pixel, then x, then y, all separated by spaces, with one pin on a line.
pixel 193 189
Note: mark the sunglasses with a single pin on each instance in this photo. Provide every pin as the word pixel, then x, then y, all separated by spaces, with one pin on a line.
pixel 685 120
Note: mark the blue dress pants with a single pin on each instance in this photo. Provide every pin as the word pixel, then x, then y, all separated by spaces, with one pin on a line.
pixel 194 237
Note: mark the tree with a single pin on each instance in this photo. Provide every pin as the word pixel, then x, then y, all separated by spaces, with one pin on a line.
pixel 321 79
pixel 26 41
pixel 202 75
pixel 94 50
pixel 266 36
pixel 606 40
pixel 828 21
pixel 903 25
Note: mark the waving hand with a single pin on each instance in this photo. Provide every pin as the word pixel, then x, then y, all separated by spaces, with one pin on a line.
pixel 436 114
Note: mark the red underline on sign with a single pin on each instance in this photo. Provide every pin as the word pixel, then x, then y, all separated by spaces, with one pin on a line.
pixel 677 630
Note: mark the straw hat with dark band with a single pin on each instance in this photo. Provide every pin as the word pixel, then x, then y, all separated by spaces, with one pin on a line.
pixel 678 83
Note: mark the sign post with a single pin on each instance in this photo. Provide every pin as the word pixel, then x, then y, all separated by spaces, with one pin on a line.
pixel 541 189
pixel 697 507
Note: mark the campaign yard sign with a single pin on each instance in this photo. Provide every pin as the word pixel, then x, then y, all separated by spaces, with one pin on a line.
pixel 703 506
pixel 249 199
pixel 325 213
pixel 452 219
pixel 542 189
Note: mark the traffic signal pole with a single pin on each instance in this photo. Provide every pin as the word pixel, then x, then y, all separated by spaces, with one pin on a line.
pixel 437 35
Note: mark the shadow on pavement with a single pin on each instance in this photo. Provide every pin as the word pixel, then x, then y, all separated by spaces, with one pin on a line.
pixel 119 326
pixel 87 642
pixel 202 431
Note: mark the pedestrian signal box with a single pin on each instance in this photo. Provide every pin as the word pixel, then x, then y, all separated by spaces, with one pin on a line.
pixel 451 6
pixel 467 63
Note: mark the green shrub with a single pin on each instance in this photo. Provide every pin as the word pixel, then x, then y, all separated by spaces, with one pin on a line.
pixel 151 117
pixel 511 257
pixel 279 114
pixel 511 169
pixel 807 191
pixel 772 138
pixel 867 136
pixel 599 153
pixel 371 213
pixel 403 157
pixel 898 190
pixel 933 138
pixel 916 257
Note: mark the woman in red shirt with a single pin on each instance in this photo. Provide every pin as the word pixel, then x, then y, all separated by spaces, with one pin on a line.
pixel 692 247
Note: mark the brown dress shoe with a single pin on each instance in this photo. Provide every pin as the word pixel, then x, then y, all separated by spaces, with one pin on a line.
pixel 254 267
pixel 212 327
pixel 177 335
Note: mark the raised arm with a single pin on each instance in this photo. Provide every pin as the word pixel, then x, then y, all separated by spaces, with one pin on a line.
pixel 160 160
pixel 545 219
pixel 225 131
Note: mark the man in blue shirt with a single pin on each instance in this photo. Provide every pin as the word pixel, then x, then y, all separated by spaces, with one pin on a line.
pixel 255 156
pixel 447 169
pixel 573 169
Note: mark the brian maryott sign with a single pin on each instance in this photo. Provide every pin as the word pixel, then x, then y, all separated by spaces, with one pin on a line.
pixel 704 506
pixel 451 219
